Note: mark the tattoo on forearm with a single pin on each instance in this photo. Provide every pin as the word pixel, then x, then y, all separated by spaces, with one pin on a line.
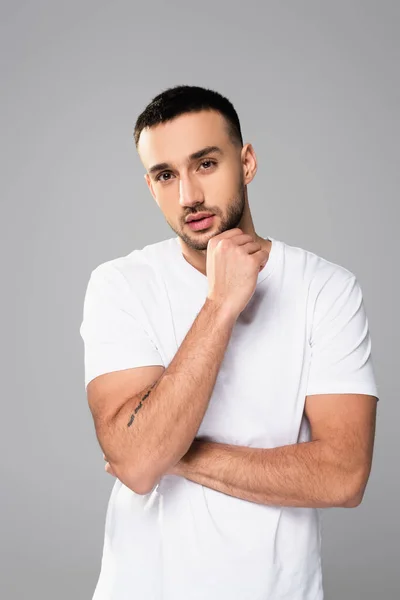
pixel 139 406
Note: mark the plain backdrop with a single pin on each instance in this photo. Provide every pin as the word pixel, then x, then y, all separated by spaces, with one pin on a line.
pixel 316 86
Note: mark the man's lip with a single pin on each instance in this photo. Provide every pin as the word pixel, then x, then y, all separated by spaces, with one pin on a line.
pixel 198 217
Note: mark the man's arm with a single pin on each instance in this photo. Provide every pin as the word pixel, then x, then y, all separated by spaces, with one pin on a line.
pixel 150 432
pixel 153 430
pixel 331 470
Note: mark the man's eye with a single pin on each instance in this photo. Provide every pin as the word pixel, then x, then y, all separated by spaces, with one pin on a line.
pixel 208 162
pixel 158 178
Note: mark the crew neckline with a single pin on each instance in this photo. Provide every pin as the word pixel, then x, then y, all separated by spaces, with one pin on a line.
pixel 195 274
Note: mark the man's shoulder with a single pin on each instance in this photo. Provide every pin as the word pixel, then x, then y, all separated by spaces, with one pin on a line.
pixel 139 263
pixel 314 270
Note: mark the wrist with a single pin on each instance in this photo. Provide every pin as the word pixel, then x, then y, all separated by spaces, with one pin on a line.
pixel 221 311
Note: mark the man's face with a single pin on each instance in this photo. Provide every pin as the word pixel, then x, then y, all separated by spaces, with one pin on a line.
pixel 183 184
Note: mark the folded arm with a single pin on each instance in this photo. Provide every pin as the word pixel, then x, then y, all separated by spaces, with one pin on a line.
pixel 330 470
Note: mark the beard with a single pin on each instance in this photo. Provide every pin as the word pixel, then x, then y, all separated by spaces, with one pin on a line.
pixel 231 220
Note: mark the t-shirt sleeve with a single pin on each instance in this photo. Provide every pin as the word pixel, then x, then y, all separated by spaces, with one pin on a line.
pixel 113 326
pixel 341 361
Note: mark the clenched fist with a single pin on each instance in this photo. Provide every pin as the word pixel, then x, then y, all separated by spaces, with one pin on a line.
pixel 233 263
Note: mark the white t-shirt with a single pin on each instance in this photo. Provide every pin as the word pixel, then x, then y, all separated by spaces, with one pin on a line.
pixel 304 331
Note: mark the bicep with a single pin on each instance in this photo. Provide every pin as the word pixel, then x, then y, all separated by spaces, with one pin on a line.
pixel 345 423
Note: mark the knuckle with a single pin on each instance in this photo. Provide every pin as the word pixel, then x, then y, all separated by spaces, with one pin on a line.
pixel 224 244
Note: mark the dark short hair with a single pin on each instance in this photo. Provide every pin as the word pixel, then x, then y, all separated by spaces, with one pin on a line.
pixel 182 99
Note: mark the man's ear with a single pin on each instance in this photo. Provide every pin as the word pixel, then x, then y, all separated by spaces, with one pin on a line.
pixel 249 163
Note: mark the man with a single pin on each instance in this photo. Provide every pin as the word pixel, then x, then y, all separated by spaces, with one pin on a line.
pixel 229 377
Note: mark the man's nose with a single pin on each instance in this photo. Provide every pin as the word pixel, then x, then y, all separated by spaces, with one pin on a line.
pixel 189 192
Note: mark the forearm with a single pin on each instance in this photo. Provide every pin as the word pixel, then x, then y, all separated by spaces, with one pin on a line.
pixel 155 430
pixel 309 474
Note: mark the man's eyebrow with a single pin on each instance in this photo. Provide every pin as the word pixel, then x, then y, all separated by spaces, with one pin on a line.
pixel 194 156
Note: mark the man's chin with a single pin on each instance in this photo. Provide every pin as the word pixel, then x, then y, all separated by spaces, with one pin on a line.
pixel 197 240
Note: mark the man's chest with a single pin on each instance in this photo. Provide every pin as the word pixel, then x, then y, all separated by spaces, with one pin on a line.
pixel 258 397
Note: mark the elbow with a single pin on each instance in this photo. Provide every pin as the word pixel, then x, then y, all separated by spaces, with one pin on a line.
pixel 147 482
pixel 136 477
pixel 139 475
pixel 354 491
pixel 352 502
pixel 130 480
pixel 142 484
pixel 136 480
pixel 146 477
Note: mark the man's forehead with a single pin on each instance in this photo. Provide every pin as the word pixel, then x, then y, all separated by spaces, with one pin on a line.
pixel 176 140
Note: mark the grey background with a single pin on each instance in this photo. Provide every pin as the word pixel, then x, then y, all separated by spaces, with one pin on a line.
pixel 316 87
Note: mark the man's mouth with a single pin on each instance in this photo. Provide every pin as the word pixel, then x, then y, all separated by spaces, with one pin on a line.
pixel 202 223
pixel 198 216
